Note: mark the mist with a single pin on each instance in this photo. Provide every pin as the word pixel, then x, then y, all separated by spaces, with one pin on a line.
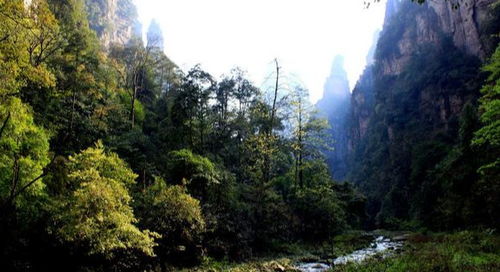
pixel 304 35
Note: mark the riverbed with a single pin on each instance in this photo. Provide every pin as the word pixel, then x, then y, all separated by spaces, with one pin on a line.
pixel 381 246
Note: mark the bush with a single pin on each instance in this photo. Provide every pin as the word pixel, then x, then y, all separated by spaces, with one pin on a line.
pixel 194 171
pixel 95 213
pixel 320 212
pixel 177 216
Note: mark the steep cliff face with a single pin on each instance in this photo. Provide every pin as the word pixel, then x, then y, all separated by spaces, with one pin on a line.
pixel 334 106
pixel 409 29
pixel 391 10
pixel 115 21
pixel 409 102
pixel 362 102
pixel 362 98
pixel 466 24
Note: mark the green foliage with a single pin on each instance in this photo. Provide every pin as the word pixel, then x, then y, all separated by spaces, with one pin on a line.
pixel 191 111
pixel 461 251
pixel 227 214
pixel 95 212
pixel 233 193
pixel 194 171
pixel 415 162
pixel 24 153
pixel 78 108
pixel 28 38
pixel 489 134
pixel 487 138
pixel 171 212
pixel 320 210
pixel 139 111
pixel 259 149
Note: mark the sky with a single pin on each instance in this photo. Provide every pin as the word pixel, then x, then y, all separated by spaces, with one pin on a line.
pixel 305 36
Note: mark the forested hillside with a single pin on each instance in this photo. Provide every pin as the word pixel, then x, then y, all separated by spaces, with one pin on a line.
pixel 112 158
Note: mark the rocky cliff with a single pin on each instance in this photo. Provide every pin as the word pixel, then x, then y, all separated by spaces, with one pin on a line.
pixel 409 102
pixel 407 32
pixel 466 23
pixel 362 102
pixel 115 21
pixel 334 106
pixel 362 99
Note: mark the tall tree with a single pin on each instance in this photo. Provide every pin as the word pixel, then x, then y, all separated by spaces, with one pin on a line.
pixel 131 62
pixel 24 155
pixel 192 112
pixel 487 138
pixel 309 132
pixel 95 210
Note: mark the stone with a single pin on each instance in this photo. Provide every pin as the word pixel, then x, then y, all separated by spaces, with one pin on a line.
pixel 115 21
pixel 400 238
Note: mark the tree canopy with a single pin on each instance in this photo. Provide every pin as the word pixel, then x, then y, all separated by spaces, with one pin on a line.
pixel 96 210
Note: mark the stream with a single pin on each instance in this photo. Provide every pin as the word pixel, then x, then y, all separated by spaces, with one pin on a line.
pixel 383 246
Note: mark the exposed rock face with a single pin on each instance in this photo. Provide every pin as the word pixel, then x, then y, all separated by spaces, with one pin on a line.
pixel 413 26
pixel 410 29
pixel 433 21
pixel 391 9
pixel 429 25
pixel 362 97
pixel 115 21
pixel 463 22
pixel 370 57
pixel 334 106
pixel 425 70
pixel 362 103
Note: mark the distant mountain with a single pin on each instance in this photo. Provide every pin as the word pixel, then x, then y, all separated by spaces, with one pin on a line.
pixel 334 106
pixel 155 36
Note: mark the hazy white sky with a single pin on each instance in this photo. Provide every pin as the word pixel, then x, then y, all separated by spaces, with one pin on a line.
pixel 304 35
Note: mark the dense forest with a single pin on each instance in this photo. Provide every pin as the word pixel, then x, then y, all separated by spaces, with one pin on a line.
pixel 114 159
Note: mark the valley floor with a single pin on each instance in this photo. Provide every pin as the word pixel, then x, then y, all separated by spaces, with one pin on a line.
pixel 460 251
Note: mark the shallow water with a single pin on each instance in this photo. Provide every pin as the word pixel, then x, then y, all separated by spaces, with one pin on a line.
pixel 381 245
pixel 313 267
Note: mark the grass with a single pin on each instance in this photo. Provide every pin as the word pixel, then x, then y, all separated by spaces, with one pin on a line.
pixel 471 251
pixel 461 251
pixel 283 257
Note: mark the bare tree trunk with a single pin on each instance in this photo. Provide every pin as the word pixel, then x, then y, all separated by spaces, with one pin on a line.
pixel 267 159
pixel 301 147
pixel 144 179
pixel 134 97
pixel 301 171
pixel 15 178
pixel 296 169
pixel 4 125
pixel 273 109
pixel 72 110
pixel 132 107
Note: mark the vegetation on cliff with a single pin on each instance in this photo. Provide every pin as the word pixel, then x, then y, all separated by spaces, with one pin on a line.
pixel 112 158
